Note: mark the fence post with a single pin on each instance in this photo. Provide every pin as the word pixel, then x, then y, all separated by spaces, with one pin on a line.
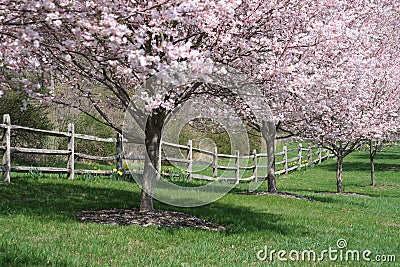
pixel 319 155
pixel 310 154
pixel 71 148
pixel 118 145
pixel 190 159
pixel 215 163
pixel 300 155
pixel 255 169
pixel 7 146
pixel 237 170
pixel 285 158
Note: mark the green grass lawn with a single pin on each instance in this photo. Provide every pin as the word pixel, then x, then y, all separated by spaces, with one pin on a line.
pixel 39 226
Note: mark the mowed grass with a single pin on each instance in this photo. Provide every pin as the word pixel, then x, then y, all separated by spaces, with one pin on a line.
pixel 39 226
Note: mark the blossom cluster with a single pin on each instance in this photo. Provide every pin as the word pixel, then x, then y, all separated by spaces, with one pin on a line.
pixel 328 68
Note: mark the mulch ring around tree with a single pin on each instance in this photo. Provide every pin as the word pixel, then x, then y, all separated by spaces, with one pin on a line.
pixel 150 218
pixel 283 194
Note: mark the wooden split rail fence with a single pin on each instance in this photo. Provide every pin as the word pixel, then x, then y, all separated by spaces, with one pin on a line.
pixel 70 152
pixel 312 155
pixel 304 157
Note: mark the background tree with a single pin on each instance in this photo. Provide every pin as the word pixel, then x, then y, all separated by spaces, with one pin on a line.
pixel 28 113
pixel 348 86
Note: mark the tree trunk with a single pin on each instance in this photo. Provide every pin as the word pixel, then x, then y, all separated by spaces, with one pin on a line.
pixel 146 201
pixel 152 142
pixel 373 182
pixel 268 133
pixel 339 172
pixel 372 163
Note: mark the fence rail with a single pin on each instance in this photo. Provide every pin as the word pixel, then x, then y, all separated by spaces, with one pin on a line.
pixel 304 157
pixel 70 152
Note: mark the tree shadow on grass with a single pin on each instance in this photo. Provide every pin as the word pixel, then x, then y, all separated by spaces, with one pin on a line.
pixel 239 220
pixel 379 156
pixel 51 202
pixel 62 201
pixel 331 197
pixel 12 255
pixel 360 166
pixel 345 199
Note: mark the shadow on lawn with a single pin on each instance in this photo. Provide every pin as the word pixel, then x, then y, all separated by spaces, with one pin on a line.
pixel 357 166
pixel 239 220
pixel 12 255
pixel 49 201
pixel 347 198
pixel 53 200
pixel 380 156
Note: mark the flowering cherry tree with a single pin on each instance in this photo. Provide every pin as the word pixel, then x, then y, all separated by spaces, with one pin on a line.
pixel 345 90
pixel 324 67
pixel 99 52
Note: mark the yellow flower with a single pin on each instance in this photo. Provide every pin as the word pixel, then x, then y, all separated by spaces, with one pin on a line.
pixel 94 167
pixel 98 170
pixel 114 170
pixel 120 173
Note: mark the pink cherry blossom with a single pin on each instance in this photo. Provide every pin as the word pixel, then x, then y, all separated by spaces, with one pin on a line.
pixel 328 68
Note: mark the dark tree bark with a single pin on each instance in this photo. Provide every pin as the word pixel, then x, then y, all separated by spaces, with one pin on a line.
pixel 374 147
pixel 268 132
pixel 339 172
pixel 152 142
pixel 342 150
pixel 372 163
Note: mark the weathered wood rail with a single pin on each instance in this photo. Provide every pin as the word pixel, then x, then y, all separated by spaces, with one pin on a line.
pixel 304 157
pixel 70 152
